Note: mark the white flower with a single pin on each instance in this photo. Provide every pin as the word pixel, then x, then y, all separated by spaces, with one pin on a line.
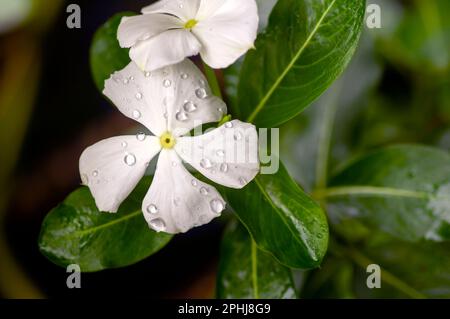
pixel 170 102
pixel 170 30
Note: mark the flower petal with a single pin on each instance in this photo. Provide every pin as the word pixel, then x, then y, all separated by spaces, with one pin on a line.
pixel 185 10
pixel 139 96
pixel 156 99
pixel 165 49
pixel 111 168
pixel 142 27
pixel 177 201
pixel 193 103
pixel 226 30
pixel 227 155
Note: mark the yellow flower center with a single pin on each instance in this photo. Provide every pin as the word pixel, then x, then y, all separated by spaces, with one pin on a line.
pixel 167 140
pixel 190 24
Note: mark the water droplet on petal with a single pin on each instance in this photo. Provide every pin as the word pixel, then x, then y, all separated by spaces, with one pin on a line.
pixel 228 125
pixel 184 76
pixel 157 224
pixel 237 136
pixel 181 116
pixel 95 173
pixel 167 83
pixel 130 159
pixel 131 78
pixel 217 206
pixel 138 96
pixel 220 153
pixel 194 183
pixel 125 81
pixel 242 181
pixel 152 209
pixel 189 106
pixel 204 191
pixel 174 164
pixel 140 136
pixel 147 74
pixel 136 114
pixel 224 167
pixel 202 82
pixel 205 163
pixel 84 179
pixel 201 93
pixel 124 144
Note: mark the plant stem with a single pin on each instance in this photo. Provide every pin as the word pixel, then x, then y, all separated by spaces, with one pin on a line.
pixel 255 270
pixel 212 80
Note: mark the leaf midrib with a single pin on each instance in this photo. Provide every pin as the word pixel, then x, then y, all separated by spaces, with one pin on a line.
pixel 357 190
pixel 264 193
pixel 106 225
pixel 290 65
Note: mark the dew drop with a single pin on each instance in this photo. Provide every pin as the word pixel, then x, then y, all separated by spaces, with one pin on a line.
pixel 136 114
pixel 181 116
pixel 152 209
pixel 158 224
pixel 201 93
pixel 95 173
pixel 138 96
pixel 125 81
pixel 224 167
pixel 194 183
pixel 130 159
pixel 228 125
pixel 204 191
pixel 131 78
pixel 237 136
pixel 124 144
pixel 140 136
pixel 84 179
pixel 167 83
pixel 189 106
pixel 205 163
pixel 174 164
pixel 242 181
pixel 147 74
pixel 217 206
pixel 202 82
pixel 220 153
pixel 184 76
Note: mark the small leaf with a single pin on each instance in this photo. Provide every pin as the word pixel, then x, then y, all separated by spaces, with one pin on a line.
pixel 75 232
pixel 106 55
pixel 403 190
pixel 282 219
pixel 306 46
pixel 247 272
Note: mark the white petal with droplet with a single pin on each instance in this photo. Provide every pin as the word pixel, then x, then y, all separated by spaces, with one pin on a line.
pixel 235 164
pixel 177 194
pixel 118 169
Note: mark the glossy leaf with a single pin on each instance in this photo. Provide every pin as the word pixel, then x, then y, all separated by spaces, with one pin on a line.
pixel 307 44
pixel 106 55
pixel 403 190
pixel 75 232
pixel 282 219
pixel 247 272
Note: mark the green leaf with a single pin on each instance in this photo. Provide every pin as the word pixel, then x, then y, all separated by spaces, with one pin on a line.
pixel 306 46
pixel 403 190
pixel 75 232
pixel 282 219
pixel 106 55
pixel 247 272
